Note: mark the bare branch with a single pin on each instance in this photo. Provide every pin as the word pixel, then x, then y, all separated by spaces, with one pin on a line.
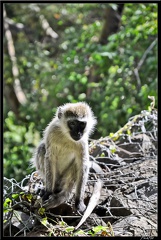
pixel 11 50
pixel 47 28
pixel 44 23
pixel 12 23
pixel 136 70
pixel 146 53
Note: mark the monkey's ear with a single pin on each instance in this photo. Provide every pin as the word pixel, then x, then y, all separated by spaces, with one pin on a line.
pixel 59 112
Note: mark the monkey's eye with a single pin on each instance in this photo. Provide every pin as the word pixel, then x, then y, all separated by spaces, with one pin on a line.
pixel 82 125
pixel 71 124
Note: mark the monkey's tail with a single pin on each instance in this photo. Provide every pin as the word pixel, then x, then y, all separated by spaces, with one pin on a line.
pixel 92 202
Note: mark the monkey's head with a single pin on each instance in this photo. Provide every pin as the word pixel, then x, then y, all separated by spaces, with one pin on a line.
pixel 77 120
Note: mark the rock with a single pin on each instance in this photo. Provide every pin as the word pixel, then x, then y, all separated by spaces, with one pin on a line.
pixel 135 226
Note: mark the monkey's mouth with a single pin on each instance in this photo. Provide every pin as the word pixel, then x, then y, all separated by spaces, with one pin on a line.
pixel 76 137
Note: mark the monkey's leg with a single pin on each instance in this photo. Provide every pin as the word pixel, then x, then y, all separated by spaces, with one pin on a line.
pixel 80 189
pixel 62 188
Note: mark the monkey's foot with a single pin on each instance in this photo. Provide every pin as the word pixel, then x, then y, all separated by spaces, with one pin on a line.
pixel 80 206
pixel 45 194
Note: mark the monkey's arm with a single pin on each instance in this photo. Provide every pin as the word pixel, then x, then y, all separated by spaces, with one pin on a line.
pixel 50 174
pixel 43 165
pixel 40 158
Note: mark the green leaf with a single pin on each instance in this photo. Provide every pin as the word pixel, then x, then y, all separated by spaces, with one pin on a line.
pixel 102 154
pixel 111 134
pixel 41 211
pixel 98 229
pixel 6 202
pixel 112 148
pixel 15 195
pixel 44 221
pixel 69 229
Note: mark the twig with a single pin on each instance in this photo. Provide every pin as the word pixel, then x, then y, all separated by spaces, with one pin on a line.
pixel 136 70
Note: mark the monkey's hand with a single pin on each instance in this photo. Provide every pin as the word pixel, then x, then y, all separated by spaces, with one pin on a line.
pixel 80 206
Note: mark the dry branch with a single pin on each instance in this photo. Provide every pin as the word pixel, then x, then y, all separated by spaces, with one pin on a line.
pixel 11 50
pixel 44 23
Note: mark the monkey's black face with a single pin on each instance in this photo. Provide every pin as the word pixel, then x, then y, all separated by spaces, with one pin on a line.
pixel 76 129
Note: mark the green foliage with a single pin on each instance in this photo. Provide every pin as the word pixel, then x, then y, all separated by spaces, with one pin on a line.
pixel 19 144
pixel 55 71
pixel 62 229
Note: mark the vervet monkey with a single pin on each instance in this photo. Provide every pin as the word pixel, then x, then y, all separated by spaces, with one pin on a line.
pixel 62 158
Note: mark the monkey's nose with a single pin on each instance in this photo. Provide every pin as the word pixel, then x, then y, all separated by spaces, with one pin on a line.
pixel 77 136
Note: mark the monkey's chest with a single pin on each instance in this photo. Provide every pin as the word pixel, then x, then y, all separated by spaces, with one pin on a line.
pixel 66 162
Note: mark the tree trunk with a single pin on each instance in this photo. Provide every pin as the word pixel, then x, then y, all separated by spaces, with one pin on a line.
pixel 11 99
pixel 112 22
pixel 111 25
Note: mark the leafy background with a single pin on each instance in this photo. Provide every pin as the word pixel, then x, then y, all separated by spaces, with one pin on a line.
pixel 75 66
